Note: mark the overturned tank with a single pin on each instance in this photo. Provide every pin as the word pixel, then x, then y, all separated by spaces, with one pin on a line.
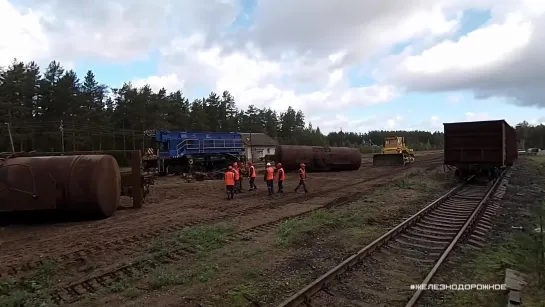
pixel 318 158
pixel 84 184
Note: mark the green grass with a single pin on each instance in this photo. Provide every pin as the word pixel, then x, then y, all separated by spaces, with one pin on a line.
pixel 165 276
pixel 292 231
pixel 202 238
pixel 405 184
pixel 349 228
pixel 34 290
pixel 358 216
pixel 488 267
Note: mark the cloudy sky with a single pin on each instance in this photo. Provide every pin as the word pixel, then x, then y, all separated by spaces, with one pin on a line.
pixel 355 64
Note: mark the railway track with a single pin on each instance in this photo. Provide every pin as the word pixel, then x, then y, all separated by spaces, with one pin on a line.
pixel 74 291
pixel 410 254
pixel 79 256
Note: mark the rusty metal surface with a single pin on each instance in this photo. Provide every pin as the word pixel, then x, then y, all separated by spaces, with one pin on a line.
pixel 318 158
pixel 490 143
pixel 88 184
pixel 135 186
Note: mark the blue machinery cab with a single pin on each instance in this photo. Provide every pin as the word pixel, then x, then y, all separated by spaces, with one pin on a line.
pixel 181 151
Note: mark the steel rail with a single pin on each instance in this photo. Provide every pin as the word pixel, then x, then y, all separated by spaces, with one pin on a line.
pixel 306 293
pixel 469 223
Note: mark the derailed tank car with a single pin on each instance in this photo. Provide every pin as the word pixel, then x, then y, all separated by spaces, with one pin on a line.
pixel 318 158
pixel 87 185
pixel 479 148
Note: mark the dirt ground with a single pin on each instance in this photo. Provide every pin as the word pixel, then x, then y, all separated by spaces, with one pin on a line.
pixel 268 266
pixel 59 255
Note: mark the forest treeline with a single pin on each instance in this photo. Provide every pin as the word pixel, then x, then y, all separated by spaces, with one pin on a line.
pixel 55 110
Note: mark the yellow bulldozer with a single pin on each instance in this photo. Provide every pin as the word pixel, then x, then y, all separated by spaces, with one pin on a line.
pixel 394 153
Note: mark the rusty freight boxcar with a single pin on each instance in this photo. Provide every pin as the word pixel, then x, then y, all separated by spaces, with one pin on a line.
pixel 481 147
pixel 318 158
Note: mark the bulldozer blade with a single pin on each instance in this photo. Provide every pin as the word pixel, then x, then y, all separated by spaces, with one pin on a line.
pixel 388 160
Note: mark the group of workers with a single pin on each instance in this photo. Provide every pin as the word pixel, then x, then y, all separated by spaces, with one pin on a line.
pixel 233 178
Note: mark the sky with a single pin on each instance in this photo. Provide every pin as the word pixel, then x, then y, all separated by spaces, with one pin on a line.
pixel 355 65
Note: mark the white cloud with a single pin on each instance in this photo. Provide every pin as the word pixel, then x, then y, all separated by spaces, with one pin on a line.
pixel 432 123
pixel 454 98
pixel 298 53
pixel 470 116
pixel 253 79
pixel 537 121
pixel 501 59
pixel 170 83
pixel 287 58
pixel 22 35
pixel 435 122
pixel 358 28
pixel 116 30
pixel 341 121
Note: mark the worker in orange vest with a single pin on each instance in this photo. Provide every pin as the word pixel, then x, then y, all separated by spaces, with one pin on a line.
pixel 280 177
pixel 302 177
pixel 269 178
pixel 252 175
pixel 230 182
pixel 238 186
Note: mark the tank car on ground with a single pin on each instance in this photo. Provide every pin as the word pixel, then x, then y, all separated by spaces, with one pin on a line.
pixel 479 148
pixel 318 158
pixel 87 185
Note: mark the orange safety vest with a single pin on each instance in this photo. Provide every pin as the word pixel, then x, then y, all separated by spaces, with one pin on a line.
pixel 302 174
pixel 252 171
pixel 281 175
pixel 270 173
pixel 229 178
pixel 237 173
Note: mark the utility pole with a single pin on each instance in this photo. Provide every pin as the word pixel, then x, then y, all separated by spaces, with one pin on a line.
pixel 11 137
pixel 61 128
pixel 251 149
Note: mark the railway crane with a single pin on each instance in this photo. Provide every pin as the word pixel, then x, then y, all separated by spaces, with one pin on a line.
pixel 178 152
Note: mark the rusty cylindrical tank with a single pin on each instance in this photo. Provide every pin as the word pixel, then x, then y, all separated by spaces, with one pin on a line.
pixel 84 184
pixel 318 158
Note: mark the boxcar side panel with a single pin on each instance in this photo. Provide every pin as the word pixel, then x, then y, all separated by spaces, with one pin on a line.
pixel 511 145
pixel 475 143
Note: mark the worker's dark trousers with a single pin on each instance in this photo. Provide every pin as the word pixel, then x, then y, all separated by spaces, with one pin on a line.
pixel 252 184
pixel 301 183
pixel 280 186
pixel 238 186
pixel 270 186
pixel 230 191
